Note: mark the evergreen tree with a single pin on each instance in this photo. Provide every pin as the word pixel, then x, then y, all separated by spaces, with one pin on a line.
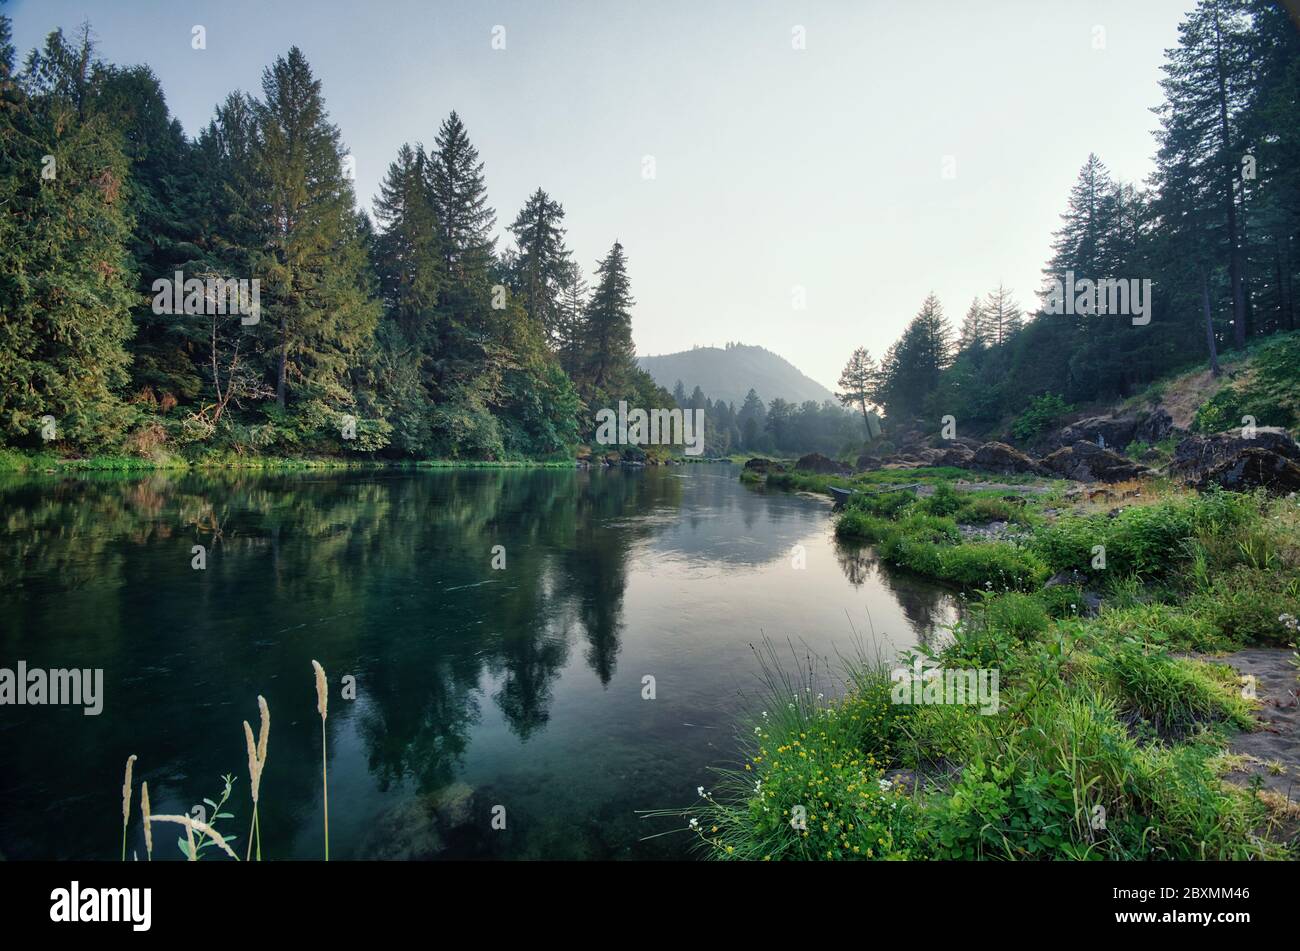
pixel 460 194
pixel 66 278
pixel 1208 81
pixel 313 265
pixel 609 356
pixel 858 383
pixel 573 305
pixel 543 265
pixel 408 260
pixel 974 332
pixel 1001 316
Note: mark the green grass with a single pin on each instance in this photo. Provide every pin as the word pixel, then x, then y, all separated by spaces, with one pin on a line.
pixel 1106 744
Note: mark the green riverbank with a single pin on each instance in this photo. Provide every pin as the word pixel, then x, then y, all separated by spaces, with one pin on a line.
pixel 1108 740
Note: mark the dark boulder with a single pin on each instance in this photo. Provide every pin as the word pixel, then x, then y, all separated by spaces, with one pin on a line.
pixel 1195 456
pixel 1088 462
pixel 868 463
pixel 1155 427
pixel 822 465
pixel 959 457
pixel 761 465
pixel 1114 431
pixel 1005 460
pixel 1254 467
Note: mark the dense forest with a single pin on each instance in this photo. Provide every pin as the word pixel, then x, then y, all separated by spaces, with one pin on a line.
pixel 1216 230
pixel 413 335
pixel 409 336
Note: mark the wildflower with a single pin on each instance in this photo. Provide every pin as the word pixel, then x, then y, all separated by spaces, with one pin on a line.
pixel 695 825
pixel 699 790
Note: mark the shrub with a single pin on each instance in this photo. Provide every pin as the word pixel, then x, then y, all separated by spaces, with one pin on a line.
pixel 1165 626
pixel 1067 545
pixel 1020 615
pixel 1061 601
pixel 1043 411
pixel 995 565
pixel 984 508
pixel 1174 695
pixel 883 504
pixel 1245 604
pixel 944 501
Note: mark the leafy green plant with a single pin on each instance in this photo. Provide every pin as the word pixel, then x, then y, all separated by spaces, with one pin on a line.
pixel 1041 413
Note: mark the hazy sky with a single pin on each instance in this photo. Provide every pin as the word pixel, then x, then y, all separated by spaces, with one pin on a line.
pixel 775 168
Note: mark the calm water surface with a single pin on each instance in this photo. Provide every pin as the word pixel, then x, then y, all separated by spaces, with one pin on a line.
pixel 475 687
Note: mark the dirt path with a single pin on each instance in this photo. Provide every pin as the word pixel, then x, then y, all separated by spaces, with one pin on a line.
pixel 1272 752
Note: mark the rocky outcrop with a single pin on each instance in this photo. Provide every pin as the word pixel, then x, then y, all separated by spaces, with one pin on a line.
pixel 1156 426
pixel 1088 462
pixel 763 466
pixel 959 456
pixel 1005 460
pixel 1254 467
pixel 822 465
pixel 1113 432
pixel 1195 456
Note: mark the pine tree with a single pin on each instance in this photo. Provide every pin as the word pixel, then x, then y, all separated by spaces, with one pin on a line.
pixel 466 219
pixel 858 383
pixel 1001 316
pixel 974 332
pixel 408 260
pixel 911 369
pixel 573 305
pixel 609 355
pixel 543 265
pixel 66 278
pixel 313 264
pixel 1208 81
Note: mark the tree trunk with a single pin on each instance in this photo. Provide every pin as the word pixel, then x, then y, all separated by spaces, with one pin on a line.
pixel 1209 326
pixel 1235 275
pixel 283 370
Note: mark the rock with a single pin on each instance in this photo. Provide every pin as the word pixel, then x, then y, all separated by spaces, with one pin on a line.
pixel 1254 467
pixel 1005 460
pixel 453 805
pixel 759 464
pixel 1072 577
pixel 1195 456
pixel 1155 426
pixel 1088 462
pixel 959 457
pixel 816 462
pixel 416 829
pixel 868 463
pixel 1116 431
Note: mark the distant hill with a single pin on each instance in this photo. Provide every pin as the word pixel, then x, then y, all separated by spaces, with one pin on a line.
pixel 728 373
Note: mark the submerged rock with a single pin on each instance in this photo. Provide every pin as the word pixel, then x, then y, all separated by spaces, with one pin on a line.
pixel 416 829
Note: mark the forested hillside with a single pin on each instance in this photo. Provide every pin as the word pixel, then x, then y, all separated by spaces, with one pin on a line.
pixel 409 336
pixel 1216 232
pixel 729 373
